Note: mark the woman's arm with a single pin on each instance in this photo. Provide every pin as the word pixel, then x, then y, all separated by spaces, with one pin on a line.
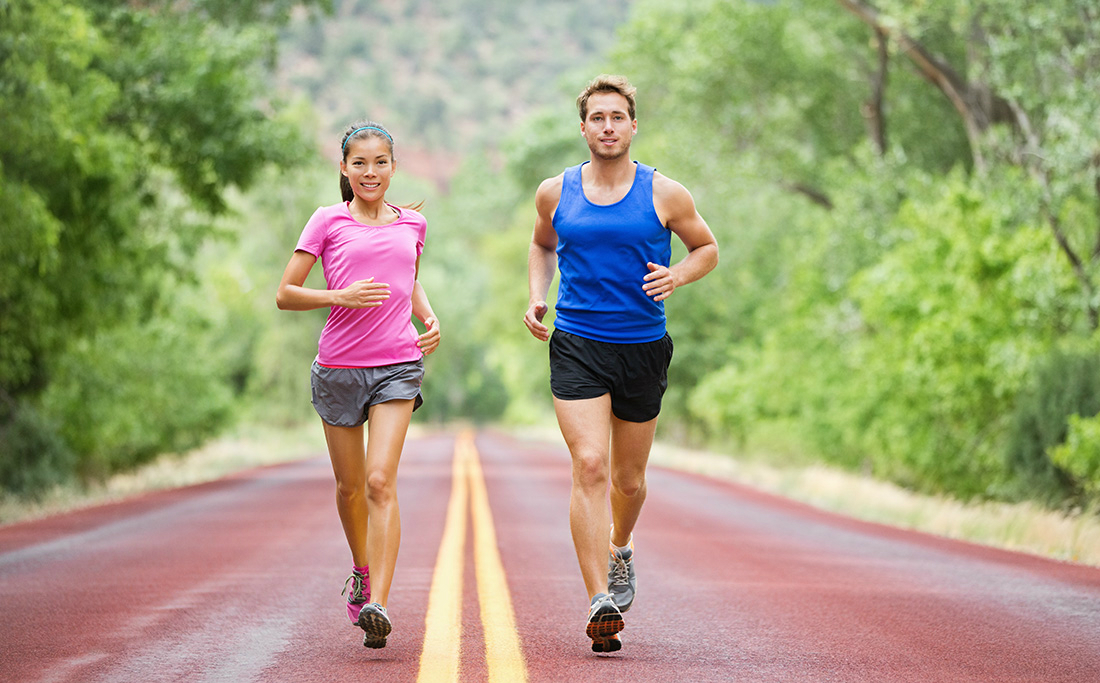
pixel 293 296
pixel 422 310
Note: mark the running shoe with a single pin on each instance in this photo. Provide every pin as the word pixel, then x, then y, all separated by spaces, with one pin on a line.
pixel 375 624
pixel 357 588
pixel 621 581
pixel 604 623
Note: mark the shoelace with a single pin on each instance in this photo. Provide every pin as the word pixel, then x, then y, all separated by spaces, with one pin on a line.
pixel 621 571
pixel 356 581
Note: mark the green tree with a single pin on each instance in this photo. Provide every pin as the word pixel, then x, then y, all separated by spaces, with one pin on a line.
pixel 124 127
pixel 885 192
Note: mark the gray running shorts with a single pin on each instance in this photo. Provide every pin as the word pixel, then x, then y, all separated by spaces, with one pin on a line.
pixel 342 396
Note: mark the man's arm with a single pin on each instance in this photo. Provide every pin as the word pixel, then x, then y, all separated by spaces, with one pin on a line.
pixel 542 257
pixel 676 209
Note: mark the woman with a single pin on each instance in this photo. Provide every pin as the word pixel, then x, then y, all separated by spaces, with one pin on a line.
pixel 369 364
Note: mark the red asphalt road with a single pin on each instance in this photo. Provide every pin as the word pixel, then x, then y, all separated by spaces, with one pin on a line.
pixel 239 580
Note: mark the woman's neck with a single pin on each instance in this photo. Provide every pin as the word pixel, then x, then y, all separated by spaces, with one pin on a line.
pixel 372 213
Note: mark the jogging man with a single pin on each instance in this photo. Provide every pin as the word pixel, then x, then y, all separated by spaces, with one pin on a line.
pixel 606 225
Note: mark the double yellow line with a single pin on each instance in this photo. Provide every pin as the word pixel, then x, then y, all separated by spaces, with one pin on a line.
pixel 440 658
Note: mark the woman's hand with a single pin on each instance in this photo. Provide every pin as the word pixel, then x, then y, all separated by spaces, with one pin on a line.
pixel 429 341
pixel 363 294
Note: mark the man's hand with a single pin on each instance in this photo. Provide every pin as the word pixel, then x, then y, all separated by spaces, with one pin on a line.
pixel 533 320
pixel 660 283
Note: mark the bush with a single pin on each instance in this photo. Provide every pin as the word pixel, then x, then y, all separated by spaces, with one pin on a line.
pixel 1080 454
pixel 35 457
pixel 1064 385
pixel 129 395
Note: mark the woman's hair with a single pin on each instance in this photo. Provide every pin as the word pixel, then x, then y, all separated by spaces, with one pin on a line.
pixel 606 83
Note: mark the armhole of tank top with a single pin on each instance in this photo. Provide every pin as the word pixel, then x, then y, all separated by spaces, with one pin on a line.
pixel 561 193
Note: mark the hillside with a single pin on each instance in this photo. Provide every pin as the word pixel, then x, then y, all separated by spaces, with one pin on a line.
pixel 446 77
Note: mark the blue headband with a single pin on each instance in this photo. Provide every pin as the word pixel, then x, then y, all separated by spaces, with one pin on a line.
pixel 345 145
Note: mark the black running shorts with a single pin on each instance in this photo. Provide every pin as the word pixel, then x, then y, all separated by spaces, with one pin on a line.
pixel 636 375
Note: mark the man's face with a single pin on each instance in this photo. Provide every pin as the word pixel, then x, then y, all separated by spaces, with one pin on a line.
pixel 608 127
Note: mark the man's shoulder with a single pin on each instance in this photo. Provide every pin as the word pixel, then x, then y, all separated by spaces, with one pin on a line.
pixel 664 182
pixel 550 189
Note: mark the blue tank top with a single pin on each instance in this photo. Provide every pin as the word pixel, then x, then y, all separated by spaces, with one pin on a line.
pixel 602 254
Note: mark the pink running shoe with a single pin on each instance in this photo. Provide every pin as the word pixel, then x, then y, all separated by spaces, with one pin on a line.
pixel 357 588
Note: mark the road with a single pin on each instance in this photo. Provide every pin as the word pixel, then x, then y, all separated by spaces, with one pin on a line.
pixel 239 580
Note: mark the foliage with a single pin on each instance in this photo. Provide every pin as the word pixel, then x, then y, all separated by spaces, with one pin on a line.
pixel 885 310
pixel 126 395
pixel 124 127
pixel 35 457
pixel 1052 448
pixel 451 77
pixel 905 197
pixel 1080 454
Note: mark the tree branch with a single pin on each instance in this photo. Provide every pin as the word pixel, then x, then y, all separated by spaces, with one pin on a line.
pixel 813 194
pixel 978 107
pixel 873 108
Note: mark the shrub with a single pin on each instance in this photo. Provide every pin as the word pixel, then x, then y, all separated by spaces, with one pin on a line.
pixel 35 457
pixel 1080 454
pixel 1065 384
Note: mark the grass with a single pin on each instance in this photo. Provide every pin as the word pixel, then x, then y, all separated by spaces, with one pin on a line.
pixel 1022 527
pixel 243 448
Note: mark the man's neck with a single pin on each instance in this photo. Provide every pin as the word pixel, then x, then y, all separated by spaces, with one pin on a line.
pixel 606 181
pixel 610 172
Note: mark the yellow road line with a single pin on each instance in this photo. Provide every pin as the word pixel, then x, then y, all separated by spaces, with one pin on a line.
pixel 440 658
pixel 502 652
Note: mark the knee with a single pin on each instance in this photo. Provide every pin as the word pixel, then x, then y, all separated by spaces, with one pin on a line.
pixel 380 487
pixel 590 471
pixel 628 486
pixel 349 487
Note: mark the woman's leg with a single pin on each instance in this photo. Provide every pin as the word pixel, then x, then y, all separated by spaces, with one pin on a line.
pixel 345 449
pixel 387 425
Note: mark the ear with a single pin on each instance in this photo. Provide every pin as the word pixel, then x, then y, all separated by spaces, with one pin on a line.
pixel 344 169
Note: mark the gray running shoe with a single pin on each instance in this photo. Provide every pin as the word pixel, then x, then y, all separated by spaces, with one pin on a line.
pixel 621 581
pixel 375 624
pixel 604 623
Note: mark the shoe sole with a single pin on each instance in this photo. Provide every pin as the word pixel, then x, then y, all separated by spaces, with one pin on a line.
pixel 612 644
pixel 602 626
pixel 376 627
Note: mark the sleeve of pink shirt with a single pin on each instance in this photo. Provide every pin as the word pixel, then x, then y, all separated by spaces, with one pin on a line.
pixel 313 236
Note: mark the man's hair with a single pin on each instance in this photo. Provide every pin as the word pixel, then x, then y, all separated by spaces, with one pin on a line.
pixel 606 83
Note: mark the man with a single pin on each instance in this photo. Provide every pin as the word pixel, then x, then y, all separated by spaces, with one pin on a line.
pixel 606 225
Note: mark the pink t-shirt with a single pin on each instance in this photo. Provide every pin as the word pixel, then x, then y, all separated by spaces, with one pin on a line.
pixel 350 251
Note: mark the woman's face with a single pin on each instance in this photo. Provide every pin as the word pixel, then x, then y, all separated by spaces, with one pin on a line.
pixel 369 167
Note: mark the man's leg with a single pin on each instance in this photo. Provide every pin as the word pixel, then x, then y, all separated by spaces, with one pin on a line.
pixel 586 426
pixel 630 446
